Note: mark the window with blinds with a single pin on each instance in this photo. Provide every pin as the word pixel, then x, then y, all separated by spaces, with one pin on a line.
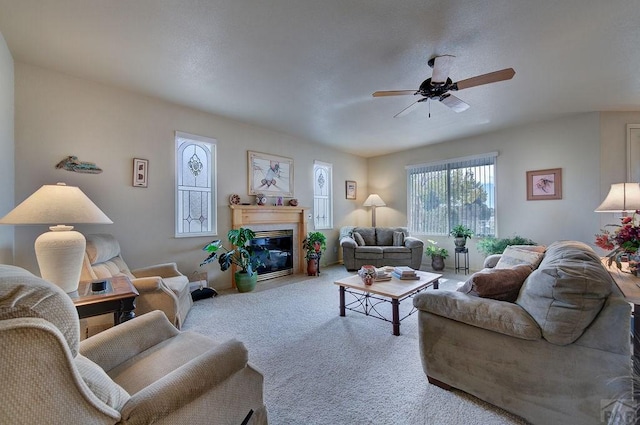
pixel 444 194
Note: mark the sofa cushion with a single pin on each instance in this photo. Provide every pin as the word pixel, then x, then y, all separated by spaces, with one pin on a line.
pixel 396 252
pixel 384 235
pixel 359 239
pixel 566 292
pixel 513 256
pixel 498 284
pixel 368 252
pixel 368 234
pixel 398 238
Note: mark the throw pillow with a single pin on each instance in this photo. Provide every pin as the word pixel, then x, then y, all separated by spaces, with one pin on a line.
pixel 398 239
pixel 358 238
pixel 497 284
pixel 513 256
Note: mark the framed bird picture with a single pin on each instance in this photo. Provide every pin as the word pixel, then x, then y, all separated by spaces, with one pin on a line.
pixel 544 184
pixel 270 175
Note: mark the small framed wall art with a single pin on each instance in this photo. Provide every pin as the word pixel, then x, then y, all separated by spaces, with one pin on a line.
pixel 140 172
pixel 351 189
pixel 544 184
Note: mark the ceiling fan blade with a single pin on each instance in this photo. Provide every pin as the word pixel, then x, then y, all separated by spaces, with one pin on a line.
pixel 441 68
pixel 408 109
pixel 454 103
pixel 478 80
pixel 393 93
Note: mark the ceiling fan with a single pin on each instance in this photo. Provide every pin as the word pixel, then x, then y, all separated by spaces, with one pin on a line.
pixel 439 85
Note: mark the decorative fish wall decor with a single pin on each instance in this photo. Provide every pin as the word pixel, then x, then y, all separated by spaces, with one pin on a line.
pixel 72 163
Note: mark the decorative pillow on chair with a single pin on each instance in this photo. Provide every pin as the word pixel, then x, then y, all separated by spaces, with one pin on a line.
pixel 513 256
pixel 398 238
pixel 498 284
pixel 358 238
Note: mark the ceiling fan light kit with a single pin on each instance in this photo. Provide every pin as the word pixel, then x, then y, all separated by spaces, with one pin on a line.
pixel 439 85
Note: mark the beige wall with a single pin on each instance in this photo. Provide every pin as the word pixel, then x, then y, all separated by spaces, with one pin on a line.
pixel 572 143
pixel 58 115
pixel 6 150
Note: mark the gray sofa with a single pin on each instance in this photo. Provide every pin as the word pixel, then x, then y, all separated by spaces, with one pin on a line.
pixel 376 247
pixel 556 355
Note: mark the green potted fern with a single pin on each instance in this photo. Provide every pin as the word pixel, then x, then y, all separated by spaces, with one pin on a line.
pixel 460 233
pixel 243 255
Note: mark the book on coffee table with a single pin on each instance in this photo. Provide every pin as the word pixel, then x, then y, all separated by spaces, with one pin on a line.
pixel 413 276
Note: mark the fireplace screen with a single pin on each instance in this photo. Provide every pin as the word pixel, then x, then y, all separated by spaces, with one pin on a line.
pixel 277 253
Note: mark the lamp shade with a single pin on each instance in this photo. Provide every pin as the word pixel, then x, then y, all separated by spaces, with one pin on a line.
pixel 60 252
pixel 622 197
pixel 56 204
pixel 374 200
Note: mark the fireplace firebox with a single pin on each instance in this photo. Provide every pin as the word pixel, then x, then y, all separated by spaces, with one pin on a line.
pixel 276 253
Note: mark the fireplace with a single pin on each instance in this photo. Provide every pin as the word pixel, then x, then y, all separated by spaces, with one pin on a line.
pixel 276 254
pixel 266 218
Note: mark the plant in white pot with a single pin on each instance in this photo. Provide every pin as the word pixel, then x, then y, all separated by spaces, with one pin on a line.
pixel 461 233
pixel 243 255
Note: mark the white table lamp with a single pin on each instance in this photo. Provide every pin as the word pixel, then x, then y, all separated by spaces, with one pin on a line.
pixel 60 252
pixel 373 201
pixel 622 197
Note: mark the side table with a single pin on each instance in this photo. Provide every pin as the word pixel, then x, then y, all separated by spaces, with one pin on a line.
pixel 464 252
pixel 118 298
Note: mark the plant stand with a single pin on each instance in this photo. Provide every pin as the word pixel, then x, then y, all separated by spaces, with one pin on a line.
pixel 464 252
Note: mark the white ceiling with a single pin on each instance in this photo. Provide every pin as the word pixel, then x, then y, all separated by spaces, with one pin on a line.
pixel 309 67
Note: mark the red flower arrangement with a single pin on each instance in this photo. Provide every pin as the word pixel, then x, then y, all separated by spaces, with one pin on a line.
pixel 625 239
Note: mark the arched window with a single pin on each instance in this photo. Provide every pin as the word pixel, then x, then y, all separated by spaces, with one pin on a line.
pixel 322 195
pixel 195 185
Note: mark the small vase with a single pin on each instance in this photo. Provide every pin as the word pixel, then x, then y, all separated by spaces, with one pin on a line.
pixel 634 263
pixel 460 242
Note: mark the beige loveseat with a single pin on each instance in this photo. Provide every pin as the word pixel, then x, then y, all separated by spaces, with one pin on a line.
pixel 161 287
pixel 379 246
pixel 557 355
pixel 142 371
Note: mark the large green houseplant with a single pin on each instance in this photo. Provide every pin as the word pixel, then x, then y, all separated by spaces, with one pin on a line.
pixel 491 245
pixel 243 255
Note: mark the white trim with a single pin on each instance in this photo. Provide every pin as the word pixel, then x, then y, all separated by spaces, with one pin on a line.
pixel 452 160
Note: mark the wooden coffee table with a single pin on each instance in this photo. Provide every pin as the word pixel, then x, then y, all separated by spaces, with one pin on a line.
pixel 117 298
pixel 393 291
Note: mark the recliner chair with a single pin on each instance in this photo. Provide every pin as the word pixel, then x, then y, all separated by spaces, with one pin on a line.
pixel 140 372
pixel 161 287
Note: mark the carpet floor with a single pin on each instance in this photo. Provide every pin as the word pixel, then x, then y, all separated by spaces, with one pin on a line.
pixel 320 368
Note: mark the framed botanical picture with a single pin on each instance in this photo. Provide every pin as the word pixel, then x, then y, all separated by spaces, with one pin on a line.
pixel 351 189
pixel 270 175
pixel 140 172
pixel 544 184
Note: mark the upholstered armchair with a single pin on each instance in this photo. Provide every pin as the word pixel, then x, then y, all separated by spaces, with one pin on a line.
pixel 161 287
pixel 140 372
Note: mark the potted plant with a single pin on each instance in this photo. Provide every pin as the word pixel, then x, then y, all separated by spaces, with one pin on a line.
pixel 489 246
pixel 437 255
pixel 243 255
pixel 460 233
pixel 314 244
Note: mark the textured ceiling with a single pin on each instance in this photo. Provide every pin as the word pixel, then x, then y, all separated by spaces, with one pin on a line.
pixel 309 67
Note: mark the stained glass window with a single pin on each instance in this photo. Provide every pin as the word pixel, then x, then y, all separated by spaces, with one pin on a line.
pixel 322 195
pixel 195 185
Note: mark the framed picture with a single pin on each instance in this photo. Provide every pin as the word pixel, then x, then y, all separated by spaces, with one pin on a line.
pixel 633 153
pixel 140 172
pixel 270 175
pixel 351 189
pixel 544 184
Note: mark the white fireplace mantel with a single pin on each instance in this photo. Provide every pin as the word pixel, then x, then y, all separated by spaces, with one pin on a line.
pixel 257 217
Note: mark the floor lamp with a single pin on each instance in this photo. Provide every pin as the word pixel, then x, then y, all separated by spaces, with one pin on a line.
pixel 373 201
pixel 59 252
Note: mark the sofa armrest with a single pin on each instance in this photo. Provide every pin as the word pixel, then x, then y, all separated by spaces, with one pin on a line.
pixel 491 261
pixel 162 270
pixel 497 316
pixel 348 242
pixel 148 284
pixel 411 242
pixel 186 383
pixel 131 338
